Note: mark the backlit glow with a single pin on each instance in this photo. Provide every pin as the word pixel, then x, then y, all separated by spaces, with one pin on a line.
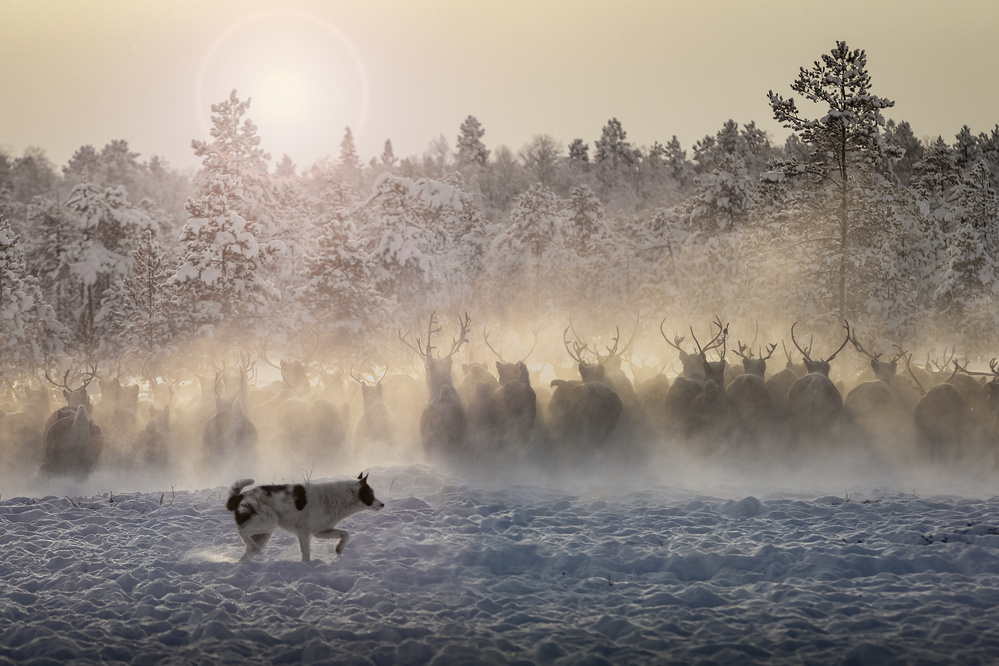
pixel 305 80
pixel 283 95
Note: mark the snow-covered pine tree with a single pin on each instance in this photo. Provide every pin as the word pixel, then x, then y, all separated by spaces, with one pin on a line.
pixel 968 290
pixel 526 262
pixel 285 169
pixel 677 165
pixel 221 272
pixel 46 252
pixel 104 229
pixel 235 151
pixel 579 154
pixel 598 266
pixel 989 145
pixel 504 179
pixel 723 198
pixel 847 146
pixel 29 331
pixel 388 158
pixel 936 175
pixel 425 238
pixel 471 152
pixel 338 295
pixel 144 311
pixel 349 164
pixel 967 148
pixel 616 160
pixel 235 147
pixel 584 221
pixel 542 157
pixel 901 135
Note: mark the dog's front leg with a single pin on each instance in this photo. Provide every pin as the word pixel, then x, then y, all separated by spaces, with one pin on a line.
pixel 304 543
pixel 333 533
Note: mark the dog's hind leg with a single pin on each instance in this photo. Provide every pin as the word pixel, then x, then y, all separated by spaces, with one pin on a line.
pixel 333 533
pixel 254 544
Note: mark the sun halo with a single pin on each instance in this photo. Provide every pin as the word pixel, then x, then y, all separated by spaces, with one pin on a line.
pixel 305 80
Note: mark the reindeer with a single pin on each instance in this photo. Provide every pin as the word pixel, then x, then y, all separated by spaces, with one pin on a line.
pixel 882 407
pixel 781 382
pixel 118 410
pixel 974 391
pixel 374 428
pixel 443 424
pixel 73 442
pixel 476 392
pixel 294 382
pixel 229 433
pixel 814 403
pixel 291 414
pixel 752 404
pixel 696 404
pixel 153 443
pixel 583 413
pixel 23 430
pixel 513 405
pixel 941 419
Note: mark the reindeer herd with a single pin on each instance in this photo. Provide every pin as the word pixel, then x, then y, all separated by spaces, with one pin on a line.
pixel 937 413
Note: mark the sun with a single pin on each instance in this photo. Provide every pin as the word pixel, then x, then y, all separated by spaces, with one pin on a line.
pixel 305 80
pixel 282 95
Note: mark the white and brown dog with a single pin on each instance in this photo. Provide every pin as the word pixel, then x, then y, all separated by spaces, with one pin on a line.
pixel 311 510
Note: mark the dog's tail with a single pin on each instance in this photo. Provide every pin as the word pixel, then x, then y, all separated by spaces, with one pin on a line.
pixel 235 496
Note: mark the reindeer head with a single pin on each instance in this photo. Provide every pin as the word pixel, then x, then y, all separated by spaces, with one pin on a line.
pixel 755 366
pixel 371 388
pixel 596 369
pixel 438 368
pixel 884 371
pixel 820 366
pixel 76 397
pixel 696 365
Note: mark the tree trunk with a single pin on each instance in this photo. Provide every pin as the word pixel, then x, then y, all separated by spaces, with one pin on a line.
pixel 844 221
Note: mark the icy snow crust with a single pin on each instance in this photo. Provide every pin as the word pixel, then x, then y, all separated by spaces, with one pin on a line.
pixel 453 571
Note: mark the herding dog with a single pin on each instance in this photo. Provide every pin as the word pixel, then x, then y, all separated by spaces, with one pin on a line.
pixel 311 510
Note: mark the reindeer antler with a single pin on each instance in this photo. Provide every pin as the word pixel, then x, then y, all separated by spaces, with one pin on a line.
pixel 485 338
pixel 846 325
pixel 804 352
pixel 677 339
pixel 576 353
pixel 714 342
pixel 462 338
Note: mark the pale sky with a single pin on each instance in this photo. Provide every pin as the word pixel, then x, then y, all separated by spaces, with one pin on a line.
pixel 75 73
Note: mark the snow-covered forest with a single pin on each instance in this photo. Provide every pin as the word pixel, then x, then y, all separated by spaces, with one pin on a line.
pixel 132 272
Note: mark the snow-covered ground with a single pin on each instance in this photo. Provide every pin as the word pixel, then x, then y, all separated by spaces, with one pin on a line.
pixel 682 566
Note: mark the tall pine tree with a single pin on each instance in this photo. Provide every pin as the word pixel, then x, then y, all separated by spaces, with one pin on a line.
pixel 846 145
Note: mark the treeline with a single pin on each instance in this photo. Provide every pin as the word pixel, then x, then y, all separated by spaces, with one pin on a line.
pixel 852 217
